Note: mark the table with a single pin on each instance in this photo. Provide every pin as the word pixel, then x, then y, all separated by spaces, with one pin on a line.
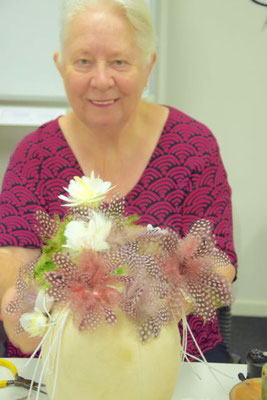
pixel 206 387
pixel 189 385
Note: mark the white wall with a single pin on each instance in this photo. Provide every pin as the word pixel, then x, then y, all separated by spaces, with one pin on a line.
pixel 29 31
pixel 213 66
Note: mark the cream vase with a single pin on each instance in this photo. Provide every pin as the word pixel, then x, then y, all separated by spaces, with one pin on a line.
pixel 111 363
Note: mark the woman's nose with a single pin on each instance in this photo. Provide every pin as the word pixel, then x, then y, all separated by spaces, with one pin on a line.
pixel 102 78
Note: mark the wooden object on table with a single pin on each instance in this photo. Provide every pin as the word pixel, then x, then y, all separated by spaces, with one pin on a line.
pixel 264 382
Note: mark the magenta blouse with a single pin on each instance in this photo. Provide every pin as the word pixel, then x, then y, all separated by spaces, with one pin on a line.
pixel 184 181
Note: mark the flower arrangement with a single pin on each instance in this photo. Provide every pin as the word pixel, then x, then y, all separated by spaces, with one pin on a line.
pixel 97 261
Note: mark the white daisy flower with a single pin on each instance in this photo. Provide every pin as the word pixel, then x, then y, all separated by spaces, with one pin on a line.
pixel 91 235
pixel 86 191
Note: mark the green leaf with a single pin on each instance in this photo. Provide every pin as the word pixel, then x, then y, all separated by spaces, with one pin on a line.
pixel 132 219
pixel 52 246
pixel 119 271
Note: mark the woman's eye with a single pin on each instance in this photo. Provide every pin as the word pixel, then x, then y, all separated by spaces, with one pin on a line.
pixel 119 63
pixel 83 61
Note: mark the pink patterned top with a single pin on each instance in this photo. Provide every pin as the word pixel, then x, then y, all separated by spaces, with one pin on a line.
pixel 183 181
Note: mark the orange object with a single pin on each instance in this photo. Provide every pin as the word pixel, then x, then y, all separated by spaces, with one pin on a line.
pixel 250 389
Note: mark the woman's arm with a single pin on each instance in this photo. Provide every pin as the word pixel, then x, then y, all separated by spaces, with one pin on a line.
pixel 209 195
pixel 229 272
pixel 11 259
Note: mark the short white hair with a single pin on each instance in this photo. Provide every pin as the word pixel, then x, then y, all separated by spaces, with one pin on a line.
pixel 137 12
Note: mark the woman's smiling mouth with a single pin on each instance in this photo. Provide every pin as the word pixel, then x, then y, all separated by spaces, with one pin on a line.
pixel 103 103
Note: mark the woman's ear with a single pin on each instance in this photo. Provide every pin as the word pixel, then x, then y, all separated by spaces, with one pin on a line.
pixel 154 59
pixel 151 63
pixel 57 61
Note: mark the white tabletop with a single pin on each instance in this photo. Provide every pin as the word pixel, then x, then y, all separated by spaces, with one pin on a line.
pixel 198 385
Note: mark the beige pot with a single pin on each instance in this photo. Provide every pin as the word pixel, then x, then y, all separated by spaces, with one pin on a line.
pixel 112 364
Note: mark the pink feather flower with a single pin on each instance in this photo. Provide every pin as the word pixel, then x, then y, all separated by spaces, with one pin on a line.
pixel 88 288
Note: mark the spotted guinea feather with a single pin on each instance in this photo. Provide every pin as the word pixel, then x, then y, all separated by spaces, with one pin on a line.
pixel 91 319
pixel 47 226
pixel 65 264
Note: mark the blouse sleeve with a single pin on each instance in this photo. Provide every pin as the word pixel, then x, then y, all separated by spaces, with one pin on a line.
pixel 20 199
pixel 209 195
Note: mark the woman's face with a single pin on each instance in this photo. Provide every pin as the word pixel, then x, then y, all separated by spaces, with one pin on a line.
pixel 103 69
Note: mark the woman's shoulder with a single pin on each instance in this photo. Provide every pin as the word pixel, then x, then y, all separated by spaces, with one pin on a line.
pixel 33 143
pixel 179 118
pixel 188 130
pixel 44 131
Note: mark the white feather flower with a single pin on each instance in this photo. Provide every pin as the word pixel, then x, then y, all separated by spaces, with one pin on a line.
pixel 156 229
pixel 91 235
pixel 86 191
pixel 36 323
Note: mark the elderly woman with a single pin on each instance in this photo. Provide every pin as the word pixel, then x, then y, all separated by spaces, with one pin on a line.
pixel 166 164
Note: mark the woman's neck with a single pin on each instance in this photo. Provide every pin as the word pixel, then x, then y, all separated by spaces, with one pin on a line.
pixel 106 139
pixel 113 154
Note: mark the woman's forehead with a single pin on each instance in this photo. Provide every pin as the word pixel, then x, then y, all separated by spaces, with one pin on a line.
pixel 101 22
pixel 100 29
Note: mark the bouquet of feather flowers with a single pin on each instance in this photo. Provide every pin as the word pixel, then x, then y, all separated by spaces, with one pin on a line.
pixel 97 261
pixel 108 289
